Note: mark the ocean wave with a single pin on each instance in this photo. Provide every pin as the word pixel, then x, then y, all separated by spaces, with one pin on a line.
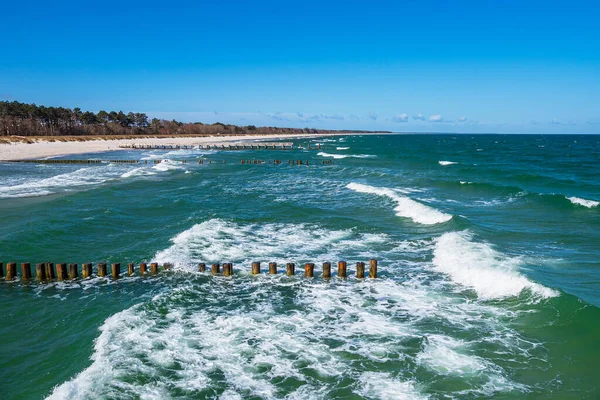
pixel 478 266
pixel 217 240
pixel 447 162
pixel 167 165
pixel 583 202
pixel 337 156
pixel 405 207
pixel 142 171
pixel 342 148
pixel 236 340
pixel 79 178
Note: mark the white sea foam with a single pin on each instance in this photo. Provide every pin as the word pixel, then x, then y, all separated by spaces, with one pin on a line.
pixel 218 240
pixel 200 337
pixel 167 165
pixel 447 162
pixel 445 355
pixel 323 154
pixel 142 171
pixel 583 202
pixel 67 181
pixel 382 385
pixel 405 207
pixel 342 148
pixel 478 266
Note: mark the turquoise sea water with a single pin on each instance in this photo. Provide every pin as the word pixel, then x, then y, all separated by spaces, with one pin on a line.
pixel 489 263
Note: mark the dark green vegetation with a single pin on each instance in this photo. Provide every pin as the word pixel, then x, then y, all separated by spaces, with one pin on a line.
pixel 31 120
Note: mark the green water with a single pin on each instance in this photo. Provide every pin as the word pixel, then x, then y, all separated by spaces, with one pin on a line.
pixel 489 264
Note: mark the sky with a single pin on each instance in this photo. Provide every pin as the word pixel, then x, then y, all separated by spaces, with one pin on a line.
pixel 481 66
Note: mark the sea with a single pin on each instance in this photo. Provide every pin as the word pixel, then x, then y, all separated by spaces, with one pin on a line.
pixel 488 250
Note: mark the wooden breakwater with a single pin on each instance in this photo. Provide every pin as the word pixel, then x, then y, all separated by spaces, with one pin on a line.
pixel 199 161
pixel 48 271
pixel 208 146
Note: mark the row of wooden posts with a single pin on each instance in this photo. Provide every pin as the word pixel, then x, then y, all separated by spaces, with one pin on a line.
pixel 212 147
pixel 47 272
pixel 200 161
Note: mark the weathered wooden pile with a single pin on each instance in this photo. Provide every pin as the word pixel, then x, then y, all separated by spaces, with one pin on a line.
pixel 48 272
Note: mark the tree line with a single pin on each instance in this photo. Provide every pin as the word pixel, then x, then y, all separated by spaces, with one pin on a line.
pixel 21 119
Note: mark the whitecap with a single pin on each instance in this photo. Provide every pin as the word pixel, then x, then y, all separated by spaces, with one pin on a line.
pixel 337 156
pixel 137 172
pixel 478 266
pixel 583 202
pixel 405 207
pixel 342 148
pixel 167 165
pixel 447 162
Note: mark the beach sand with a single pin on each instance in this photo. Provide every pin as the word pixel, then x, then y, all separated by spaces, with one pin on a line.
pixel 43 149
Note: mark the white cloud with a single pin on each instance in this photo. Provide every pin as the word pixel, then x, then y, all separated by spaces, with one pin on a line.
pixel 372 116
pixel 436 118
pixel 420 117
pixel 462 119
pixel 400 118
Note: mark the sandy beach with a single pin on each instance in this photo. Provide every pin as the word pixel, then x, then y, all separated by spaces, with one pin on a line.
pixel 43 149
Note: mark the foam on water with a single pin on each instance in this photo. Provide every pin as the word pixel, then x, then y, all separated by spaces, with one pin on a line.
pixel 405 207
pixel 167 165
pixel 67 181
pixel 447 162
pixel 142 171
pixel 583 202
pixel 218 240
pixel 342 148
pixel 478 266
pixel 337 156
pixel 274 336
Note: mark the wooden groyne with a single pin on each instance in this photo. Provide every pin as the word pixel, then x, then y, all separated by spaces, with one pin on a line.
pixel 48 272
pixel 198 161
pixel 220 146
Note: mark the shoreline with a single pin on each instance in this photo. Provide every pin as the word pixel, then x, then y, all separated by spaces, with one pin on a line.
pixel 45 149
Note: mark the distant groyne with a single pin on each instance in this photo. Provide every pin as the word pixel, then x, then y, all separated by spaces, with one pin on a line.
pixel 198 161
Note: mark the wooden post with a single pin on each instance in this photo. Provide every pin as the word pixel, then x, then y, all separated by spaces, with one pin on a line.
pixel 40 272
pixel 130 269
pixel 201 267
pixel 216 269
pixel 255 268
pixel 309 270
pixel 153 268
pixel 50 271
pixel 290 269
pixel 143 268
pixel 342 269
pixel 116 270
pixel 273 268
pixel 86 270
pixel 326 270
pixel 61 271
pixel 360 270
pixel 11 271
pixel 72 271
pixel 102 269
pixel 373 269
pixel 227 269
pixel 25 271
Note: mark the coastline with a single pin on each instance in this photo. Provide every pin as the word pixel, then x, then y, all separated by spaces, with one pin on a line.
pixel 44 149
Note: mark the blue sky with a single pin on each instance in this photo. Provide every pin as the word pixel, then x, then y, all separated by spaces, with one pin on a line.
pixel 515 66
